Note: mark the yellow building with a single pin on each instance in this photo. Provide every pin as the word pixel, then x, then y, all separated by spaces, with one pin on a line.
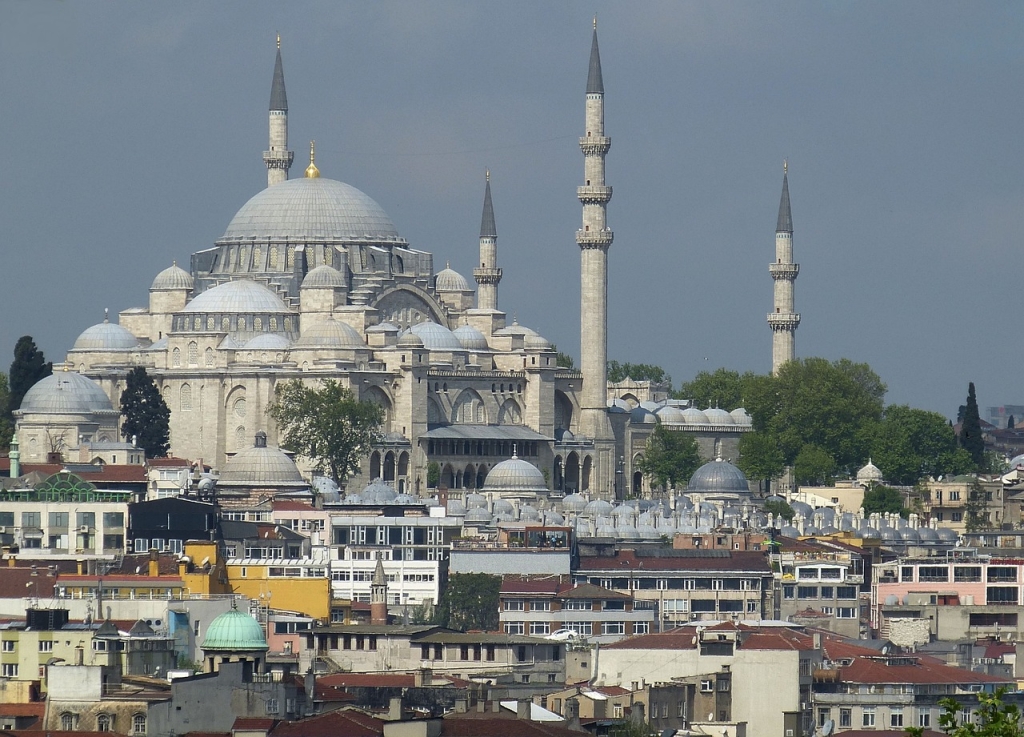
pixel 292 585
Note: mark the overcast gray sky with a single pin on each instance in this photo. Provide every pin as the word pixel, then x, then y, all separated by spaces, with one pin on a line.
pixel 133 132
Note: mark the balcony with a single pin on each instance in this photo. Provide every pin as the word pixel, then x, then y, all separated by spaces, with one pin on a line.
pixel 840 699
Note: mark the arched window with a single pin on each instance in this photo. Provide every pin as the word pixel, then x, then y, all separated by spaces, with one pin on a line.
pixel 273 258
pixel 257 324
pixel 197 324
pixel 273 324
pixel 239 407
pixel 288 324
pixel 209 356
pixel 240 437
pixel 67 721
pixel 241 323
pixel 139 724
pixel 211 323
pixel 193 354
pixel 225 323
pixel 185 396
pixel 104 723
pixel 176 357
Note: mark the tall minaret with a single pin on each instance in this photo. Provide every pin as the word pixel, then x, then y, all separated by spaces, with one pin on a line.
pixel 594 239
pixel 783 321
pixel 278 159
pixel 488 274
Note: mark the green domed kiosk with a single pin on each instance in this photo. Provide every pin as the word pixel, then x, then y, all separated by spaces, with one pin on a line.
pixel 234 637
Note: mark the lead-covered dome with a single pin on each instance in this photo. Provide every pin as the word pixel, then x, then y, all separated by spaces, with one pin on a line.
pixel 173 278
pixel 234 631
pixel 260 467
pixel 449 280
pixel 311 210
pixel 243 296
pixel 718 477
pixel 65 393
pixel 436 337
pixel 471 338
pixel 515 476
pixel 106 336
pixel 330 333
pixel 324 276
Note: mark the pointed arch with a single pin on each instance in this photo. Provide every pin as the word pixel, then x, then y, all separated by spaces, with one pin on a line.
pixel 435 415
pixel 563 411
pixel 572 473
pixel 375 465
pixel 588 466
pixel 377 395
pixel 468 408
pixel 510 413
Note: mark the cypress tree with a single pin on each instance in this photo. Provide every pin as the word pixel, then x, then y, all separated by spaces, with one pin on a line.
pixel 970 430
pixel 28 367
pixel 1010 423
pixel 145 414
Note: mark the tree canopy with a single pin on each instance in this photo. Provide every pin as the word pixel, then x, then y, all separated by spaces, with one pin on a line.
pixel 814 466
pixel 469 601
pixel 563 360
pixel 720 388
pixel 638 372
pixel 970 430
pixel 780 508
pixel 883 499
pixel 909 444
pixel 146 415
pixel 761 457
pixel 326 425
pixel 6 419
pixel 670 457
pixel 993 717
pixel 28 367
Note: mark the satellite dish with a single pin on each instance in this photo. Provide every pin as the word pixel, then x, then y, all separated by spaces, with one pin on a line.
pixel 828 728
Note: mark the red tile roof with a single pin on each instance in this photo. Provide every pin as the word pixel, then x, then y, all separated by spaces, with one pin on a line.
pixel 924 670
pixel 35 709
pixel 15 582
pixel 502 724
pixel 108 473
pixel 253 723
pixel 342 723
pixel 680 638
pixel 292 506
pixel 169 462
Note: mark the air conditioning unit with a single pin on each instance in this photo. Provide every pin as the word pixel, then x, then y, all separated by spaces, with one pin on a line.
pixel 84 529
pixel 805 706
pixel 3 530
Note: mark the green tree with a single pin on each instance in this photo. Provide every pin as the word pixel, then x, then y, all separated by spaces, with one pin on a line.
pixel 780 508
pixel 909 444
pixel 761 457
pixel 976 510
pixel 563 360
pixel 433 474
pixel 6 420
pixel 719 388
pixel 970 430
pixel 993 717
pixel 326 425
pixel 883 499
pixel 469 601
pixel 146 416
pixel 1010 423
pixel 670 457
pixel 28 367
pixel 814 465
pixel 638 372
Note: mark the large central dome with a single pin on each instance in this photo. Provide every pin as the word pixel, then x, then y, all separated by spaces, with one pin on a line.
pixel 312 210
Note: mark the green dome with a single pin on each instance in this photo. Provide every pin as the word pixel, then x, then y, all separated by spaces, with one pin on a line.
pixel 235 631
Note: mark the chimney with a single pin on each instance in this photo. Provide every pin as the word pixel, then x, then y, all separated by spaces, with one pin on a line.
pixel 816 640
pixel 572 714
pixel 461 706
pixel 154 562
pixel 182 566
pixel 11 560
pixel 395 709
pixel 79 655
pixel 481 705
pixel 309 686
pixel 496 706
pixel 422 677
pixel 523 707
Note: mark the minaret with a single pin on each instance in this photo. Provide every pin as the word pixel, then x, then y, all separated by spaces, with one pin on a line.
pixel 594 239
pixel 278 159
pixel 783 321
pixel 488 274
pixel 379 594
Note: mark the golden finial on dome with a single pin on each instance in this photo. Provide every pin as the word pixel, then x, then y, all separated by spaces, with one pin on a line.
pixel 311 171
pixel 279 42
pixel 785 166
pixel 487 174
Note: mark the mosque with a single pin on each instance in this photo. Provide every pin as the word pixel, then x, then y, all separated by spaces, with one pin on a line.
pixel 311 280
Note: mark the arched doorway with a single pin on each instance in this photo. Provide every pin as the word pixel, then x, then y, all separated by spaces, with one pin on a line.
pixel 481 476
pixel 588 464
pixel 638 483
pixel 558 475
pixel 447 477
pixel 389 466
pixel 375 465
pixel 572 473
pixel 469 476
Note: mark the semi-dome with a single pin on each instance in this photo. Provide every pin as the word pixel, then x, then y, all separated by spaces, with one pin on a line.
pixel 471 338
pixel 311 210
pixel 323 277
pixel 106 336
pixel 650 406
pixel 449 280
pixel 330 333
pixel 234 631
pixel 260 467
pixel 267 342
pixel 693 416
pixel 719 416
pixel 436 337
pixel 173 278
pixel 515 476
pixel 718 477
pixel 65 393
pixel 243 296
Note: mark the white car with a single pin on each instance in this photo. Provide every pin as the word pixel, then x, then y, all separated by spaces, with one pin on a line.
pixel 563 635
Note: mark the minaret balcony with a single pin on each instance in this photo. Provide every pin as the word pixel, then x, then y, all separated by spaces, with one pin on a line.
pixel 278 159
pixel 486 275
pixel 594 238
pixel 783 271
pixel 594 145
pixel 779 322
pixel 594 195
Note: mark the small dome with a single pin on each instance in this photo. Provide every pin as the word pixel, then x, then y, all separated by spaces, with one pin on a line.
pixel 409 339
pixel 478 516
pixel 536 343
pixel 515 476
pixel 234 631
pixel 597 508
pixel 173 278
pixel 515 329
pixel 327 489
pixel 449 280
pixel 455 508
pixel 260 467
pixel 927 534
pixel 471 338
pixel 574 503
pixel 436 337
pixel 330 333
pixel 869 473
pixel 642 416
pixel 627 532
pixel 947 535
pixel 242 296
pixel 267 342
pixel 503 506
pixel 476 501
pixel 740 417
pixel 671 415
pixel 693 416
pixel 324 277
pixel 719 416
pixel 106 336
pixel 718 477
pixel 65 393
pixel 378 491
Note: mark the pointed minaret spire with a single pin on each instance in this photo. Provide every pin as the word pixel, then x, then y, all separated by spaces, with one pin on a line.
pixel 278 158
pixel 487 274
pixel 784 320
pixel 595 82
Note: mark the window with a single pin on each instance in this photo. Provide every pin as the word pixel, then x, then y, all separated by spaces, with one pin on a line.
pixel 46 646
pixel 641 628
pixel 104 723
pixel 540 628
pixel 845 612
pixel 579 605
pixel 58 519
pixel 614 628
pixel 112 519
pixel 99 645
pixel 514 605
pixel 967 574
pixel 271 706
pixel 9 670
pixel 68 721
pixel 31 519
pixel 868 716
pixel 514 628
pixel 9 645
pixel 1002 594
pixel 185 402
pixel 1002 574
pixel 827 592
pixel 706 686
pixel 924 719
pixel 933 573
pixel 896 716
pixel 846 592
pixel 807 592
pixel 540 605
pixel 845 718
pixel 193 354
pixel 787 591
pixel 139 724
pixel 954 496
